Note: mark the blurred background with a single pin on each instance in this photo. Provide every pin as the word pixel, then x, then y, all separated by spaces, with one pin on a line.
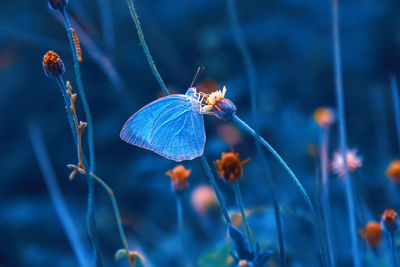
pixel 291 46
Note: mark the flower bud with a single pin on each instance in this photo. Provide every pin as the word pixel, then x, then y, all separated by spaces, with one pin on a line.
pixel 57 4
pixel 390 221
pixel 52 65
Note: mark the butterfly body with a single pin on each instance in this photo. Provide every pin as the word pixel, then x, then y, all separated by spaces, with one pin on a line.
pixel 171 126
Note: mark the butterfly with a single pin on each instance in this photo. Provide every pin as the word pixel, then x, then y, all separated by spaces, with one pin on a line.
pixel 171 126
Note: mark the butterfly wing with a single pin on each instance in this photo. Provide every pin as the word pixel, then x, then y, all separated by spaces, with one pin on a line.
pixel 170 126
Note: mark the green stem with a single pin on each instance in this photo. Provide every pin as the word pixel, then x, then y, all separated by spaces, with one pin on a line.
pixel 307 199
pixel 179 211
pixel 239 201
pixel 145 47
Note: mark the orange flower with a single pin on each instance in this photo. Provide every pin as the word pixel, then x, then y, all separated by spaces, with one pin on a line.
pixel 230 167
pixel 393 171
pixel 52 65
pixel 324 117
pixel 203 198
pixel 390 221
pixel 179 176
pixel 372 234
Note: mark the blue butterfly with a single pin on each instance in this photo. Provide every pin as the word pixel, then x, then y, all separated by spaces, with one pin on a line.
pixel 171 126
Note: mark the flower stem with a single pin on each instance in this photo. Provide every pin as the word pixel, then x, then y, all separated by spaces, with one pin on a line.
pixel 216 189
pixel 145 47
pixel 307 199
pixel 179 212
pixel 342 132
pixel 166 92
pixel 396 105
pixel 239 201
pixel 110 192
pixel 393 246
pixel 326 209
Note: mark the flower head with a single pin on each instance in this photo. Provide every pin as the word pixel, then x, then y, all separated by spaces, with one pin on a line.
pixel 230 167
pixel 372 234
pixel 203 198
pixel 352 160
pixel 52 65
pixel 216 104
pixel 57 4
pixel 324 117
pixel 179 176
pixel 393 171
pixel 390 221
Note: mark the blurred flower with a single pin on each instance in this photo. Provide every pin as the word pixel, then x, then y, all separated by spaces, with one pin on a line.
pixel 372 234
pixel 324 117
pixel 52 65
pixel 236 217
pixel 203 197
pixel 179 176
pixel 353 162
pixel 230 167
pixel 133 256
pixel 390 221
pixel 393 171
pixel 229 134
pixel 57 4
pixel 218 105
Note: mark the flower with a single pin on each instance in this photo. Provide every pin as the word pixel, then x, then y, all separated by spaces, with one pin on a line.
pixel 52 65
pixel 230 167
pixel 393 171
pixel 372 234
pixel 353 162
pixel 57 4
pixel 218 105
pixel 390 221
pixel 179 176
pixel 203 198
pixel 324 117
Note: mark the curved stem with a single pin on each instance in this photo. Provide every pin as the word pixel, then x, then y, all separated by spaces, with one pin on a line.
pixel 239 201
pixel 342 132
pixel 145 47
pixel 117 215
pixel 307 199
pixel 216 189
pixel 179 212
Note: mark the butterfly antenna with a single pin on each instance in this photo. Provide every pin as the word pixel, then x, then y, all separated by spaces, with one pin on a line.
pixel 199 71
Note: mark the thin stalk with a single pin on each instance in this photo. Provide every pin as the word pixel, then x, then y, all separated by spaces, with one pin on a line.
pixel 307 199
pixel 393 246
pixel 179 212
pixel 342 132
pixel 91 221
pixel 239 201
pixel 326 208
pixel 252 80
pixel 396 105
pixel 166 92
pixel 107 24
pixel 91 176
pixel 145 47
pixel 110 193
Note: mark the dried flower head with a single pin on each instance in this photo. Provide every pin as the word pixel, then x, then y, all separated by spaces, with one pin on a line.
pixel 393 171
pixel 52 65
pixel 353 162
pixel 216 104
pixel 372 234
pixel 324 117
pixel 57 4
pixel 203 198
pixel 230 167
pixel 390 221
pixel 179 176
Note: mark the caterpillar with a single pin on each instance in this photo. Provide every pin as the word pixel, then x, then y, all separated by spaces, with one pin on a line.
pixel 77 45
